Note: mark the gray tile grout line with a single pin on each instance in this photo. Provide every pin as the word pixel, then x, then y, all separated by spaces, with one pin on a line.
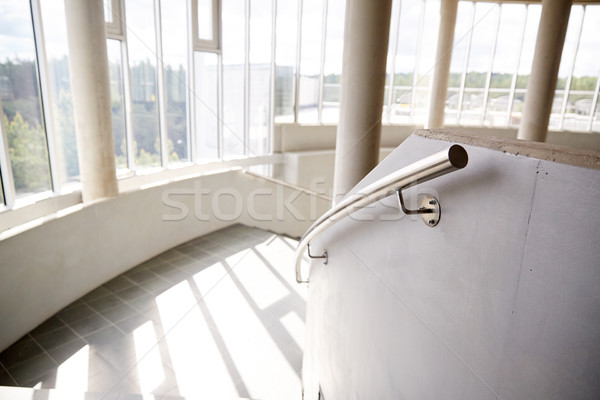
pixel 8 373
pixel 181 319
pixel 45 351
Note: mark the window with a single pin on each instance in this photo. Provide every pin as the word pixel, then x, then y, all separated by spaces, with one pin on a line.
pixel 332 62
pixel 175 69
pixel 286 53
pixel 23 120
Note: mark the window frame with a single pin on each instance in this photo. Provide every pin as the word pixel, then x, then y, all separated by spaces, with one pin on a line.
pixel 202 44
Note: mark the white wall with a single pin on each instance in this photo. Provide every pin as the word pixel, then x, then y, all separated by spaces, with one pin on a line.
pixel 500 300
pixel 46 267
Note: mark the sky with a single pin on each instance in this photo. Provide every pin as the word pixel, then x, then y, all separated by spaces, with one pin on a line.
pixel 16 34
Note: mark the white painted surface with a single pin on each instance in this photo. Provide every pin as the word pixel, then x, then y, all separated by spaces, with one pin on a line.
pixel 47 267
pixel 498 301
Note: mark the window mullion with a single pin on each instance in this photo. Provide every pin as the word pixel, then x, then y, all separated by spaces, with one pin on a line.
pixel 417 57
pixel 46 103
pixel 513 83
pixel 322 66
pixel 394 47
pixel 247 17
pixel 160 83
pixel 565 101
pixel 463 77
pixel 273 81
pixel 298 55
pixel 594 104
pixel 8 183
pixel 191 85
pixel 128 104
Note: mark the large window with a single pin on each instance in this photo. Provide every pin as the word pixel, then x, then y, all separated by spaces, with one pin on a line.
pixel 491 68
pixel 38 150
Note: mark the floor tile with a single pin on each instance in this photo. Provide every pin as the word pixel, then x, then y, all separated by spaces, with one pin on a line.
pixel 119 313
pixel 62 353
pixel 86 326
pixel 24 349
pixel 140 275
pixel 51 324
pixel 118 284
pixel 131 293
pixel 257 348
pixel 30 371
pixel 130 324
pixel 74 313
pixel 96 294
pixel 105 303
pixel 104 336
pixel 6 379
pixel 143 303
pixel 56 338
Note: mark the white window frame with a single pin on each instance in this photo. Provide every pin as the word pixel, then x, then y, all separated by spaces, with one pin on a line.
pixel 116 28
pixel 202 44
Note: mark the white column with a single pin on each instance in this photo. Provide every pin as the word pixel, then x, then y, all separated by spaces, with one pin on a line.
pixel 544 71
pixel 441 74
pixel 363 83
pixel 91 98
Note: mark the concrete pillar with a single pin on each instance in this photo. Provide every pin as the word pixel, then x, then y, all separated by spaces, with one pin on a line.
pixel 544 71
pixel 363 84
pixel 439 90
pixel 91 98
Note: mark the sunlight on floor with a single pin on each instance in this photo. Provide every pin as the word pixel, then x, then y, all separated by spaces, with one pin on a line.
pixel 220 316
pixel 73 373
pixel 149 364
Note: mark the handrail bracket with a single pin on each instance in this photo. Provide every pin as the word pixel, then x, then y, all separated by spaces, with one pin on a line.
pixel 324 255
pixel 429 208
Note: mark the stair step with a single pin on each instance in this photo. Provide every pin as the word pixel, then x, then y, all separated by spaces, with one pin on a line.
pixel 24 393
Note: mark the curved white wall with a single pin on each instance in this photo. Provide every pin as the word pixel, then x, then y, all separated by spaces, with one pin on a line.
pixel 500 300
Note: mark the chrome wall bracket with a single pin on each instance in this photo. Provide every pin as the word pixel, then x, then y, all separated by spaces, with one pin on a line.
pixel 324 255
pixel 429 208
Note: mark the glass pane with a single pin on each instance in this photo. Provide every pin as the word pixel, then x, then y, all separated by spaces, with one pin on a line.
pixel 482 43
pixel 585 73
pixel 55 36
pixel 534 13
pixel 142 72
pixel 506 57
pixel 174 42
pixel 388 67
pixel 426 60
pixel 206 98
pixel 464 18
pixel 260 77
pixel 19 89
pixel 285 59
pixel 596 118
pixel 310 62
pixel 333 61
pixel 566 65
pixel 108 16
pixel 117 104
pixel 205 19
pixel 406 56
pixel 233 77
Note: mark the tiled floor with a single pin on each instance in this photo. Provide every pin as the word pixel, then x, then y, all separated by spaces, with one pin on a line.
pixel 219 316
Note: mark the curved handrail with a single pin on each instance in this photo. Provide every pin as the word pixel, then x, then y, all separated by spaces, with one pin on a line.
pixel 438 164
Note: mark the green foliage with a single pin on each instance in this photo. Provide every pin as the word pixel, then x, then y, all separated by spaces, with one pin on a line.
pixel 28 155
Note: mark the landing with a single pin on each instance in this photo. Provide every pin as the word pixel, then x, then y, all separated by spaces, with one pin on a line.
pixel 219 316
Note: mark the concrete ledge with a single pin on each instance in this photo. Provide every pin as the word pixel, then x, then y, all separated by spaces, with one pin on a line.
pixel 541 151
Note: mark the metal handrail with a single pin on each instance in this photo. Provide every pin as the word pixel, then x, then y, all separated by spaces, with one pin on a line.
pixel 438 164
